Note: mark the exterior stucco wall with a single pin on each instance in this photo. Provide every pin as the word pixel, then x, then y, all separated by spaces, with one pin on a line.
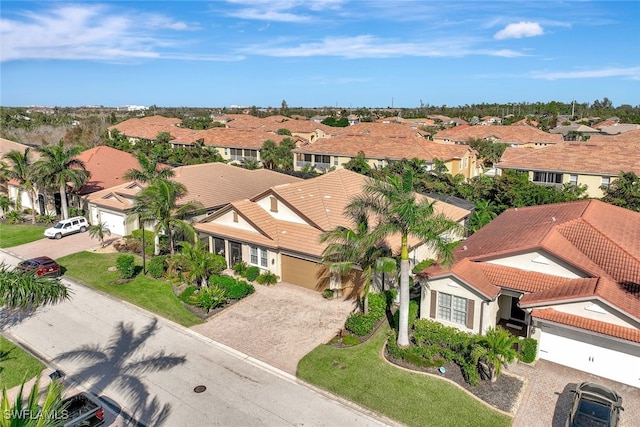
pixel 483 316
pixel 283 214
pixel 227 219
pixel 540 262
pixel 597 310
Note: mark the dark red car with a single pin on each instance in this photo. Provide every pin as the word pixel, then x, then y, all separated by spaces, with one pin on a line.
pixel 41 266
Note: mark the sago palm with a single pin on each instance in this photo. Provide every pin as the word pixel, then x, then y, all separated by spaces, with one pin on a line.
pixel 496 348
pixel 398 210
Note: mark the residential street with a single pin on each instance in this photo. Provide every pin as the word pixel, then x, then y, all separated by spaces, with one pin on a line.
pixel 150 367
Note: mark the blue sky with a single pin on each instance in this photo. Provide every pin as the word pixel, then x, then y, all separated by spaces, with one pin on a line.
pixel 316 53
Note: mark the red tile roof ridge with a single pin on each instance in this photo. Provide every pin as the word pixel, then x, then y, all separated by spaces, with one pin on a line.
pixel 604 328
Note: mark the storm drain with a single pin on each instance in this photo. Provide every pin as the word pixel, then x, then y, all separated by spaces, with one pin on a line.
pixel 199 388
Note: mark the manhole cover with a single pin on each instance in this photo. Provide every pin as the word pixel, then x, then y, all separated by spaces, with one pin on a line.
pixel 199 388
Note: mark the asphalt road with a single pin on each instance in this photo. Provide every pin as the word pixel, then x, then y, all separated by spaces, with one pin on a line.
pixel 151 366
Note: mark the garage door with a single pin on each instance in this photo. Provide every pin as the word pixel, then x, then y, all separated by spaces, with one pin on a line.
pixel 302 273
pixel 596 355
pixel 115 223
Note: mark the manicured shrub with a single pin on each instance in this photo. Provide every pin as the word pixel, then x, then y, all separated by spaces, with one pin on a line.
pixel 252 273
pixel 234 289
pixel 149 241
pixel 528 350
pixel 377 305
pixel 186 295
pixel 157 266
pixel 360 324
pixel 125 264
pixel 267 278
pixel 240 268
pixel 209 297
pixel 413 314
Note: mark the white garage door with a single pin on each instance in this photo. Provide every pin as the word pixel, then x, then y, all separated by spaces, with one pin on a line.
pixel 115 223
pixel 595 358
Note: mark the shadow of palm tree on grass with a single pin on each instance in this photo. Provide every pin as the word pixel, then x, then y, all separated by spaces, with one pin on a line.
pixel 121 364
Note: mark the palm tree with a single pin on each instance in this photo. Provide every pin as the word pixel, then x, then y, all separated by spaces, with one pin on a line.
pixel 99 230
pixel 348 248
pixel 150 170
pixel 495 349
pixel 6 203
pixel 24 290
pixel 159 202
pixel 59 167
pixel 199 262
pixel 483 212
pixel 399 210
pixel 22 413
pixel 21 169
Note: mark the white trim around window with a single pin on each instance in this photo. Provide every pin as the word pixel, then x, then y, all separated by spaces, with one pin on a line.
pixel 258 256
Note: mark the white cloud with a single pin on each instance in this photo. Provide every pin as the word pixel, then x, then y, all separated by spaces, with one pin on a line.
pixel 519 30
pixel 93 32
pixel 632 73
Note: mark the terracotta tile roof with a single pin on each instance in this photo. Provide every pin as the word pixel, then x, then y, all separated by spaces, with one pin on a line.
pixel 148 127
pixel 320 201
pixel 380 129
pixel 238 138
pixel 515 135
pixel 271 123
pixel 217 184
pixel 580 157
pixel 513 152
pixel 7 145
pixel 119 197
pixel 107 166
pixel 603 328
pixel 599 239
pixel 376 146
pixel 632 136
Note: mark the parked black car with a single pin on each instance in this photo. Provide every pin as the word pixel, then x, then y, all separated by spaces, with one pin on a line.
pixel 41 266
pixel 595 405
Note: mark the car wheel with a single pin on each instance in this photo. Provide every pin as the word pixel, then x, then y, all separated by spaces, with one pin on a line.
pixel 83 229
pixel 58 236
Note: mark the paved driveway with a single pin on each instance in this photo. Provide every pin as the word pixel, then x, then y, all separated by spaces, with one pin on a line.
pixel 56 248
pixel 278 324
pixel 547 399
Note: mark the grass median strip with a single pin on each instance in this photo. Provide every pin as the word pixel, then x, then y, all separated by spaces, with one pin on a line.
pixel 360 374
pixel 151 294
pixel 16 365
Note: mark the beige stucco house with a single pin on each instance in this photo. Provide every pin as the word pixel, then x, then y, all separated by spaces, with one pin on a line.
pixel 279 229
pixel 565 274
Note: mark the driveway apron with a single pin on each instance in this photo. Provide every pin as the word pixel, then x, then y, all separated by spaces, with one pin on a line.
pixel 278 324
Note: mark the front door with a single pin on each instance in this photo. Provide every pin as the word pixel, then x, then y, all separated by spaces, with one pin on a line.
pixel 516 312
pixel 235 253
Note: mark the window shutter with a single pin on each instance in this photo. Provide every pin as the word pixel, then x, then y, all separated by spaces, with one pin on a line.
pixel 235 216
pixel 470 304
pixel 274 204
pixel 434 302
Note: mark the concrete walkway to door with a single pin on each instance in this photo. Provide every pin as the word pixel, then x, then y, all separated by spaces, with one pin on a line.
pixel 278 324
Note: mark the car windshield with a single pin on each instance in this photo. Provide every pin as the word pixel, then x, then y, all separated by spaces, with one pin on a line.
pixel 58 225
pixel 592 414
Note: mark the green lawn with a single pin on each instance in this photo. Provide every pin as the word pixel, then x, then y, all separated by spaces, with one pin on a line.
pixel 17 234
pixel 144 291
pixel 361 375
pixel 16 365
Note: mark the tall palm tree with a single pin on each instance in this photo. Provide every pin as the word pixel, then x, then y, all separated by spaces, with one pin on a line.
pixel 21 169
pixel 357 246
pixel 399 210
pixel 150 170
pixel 58 167
pixel 24 290
pixel 199 262
pixel 159 202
